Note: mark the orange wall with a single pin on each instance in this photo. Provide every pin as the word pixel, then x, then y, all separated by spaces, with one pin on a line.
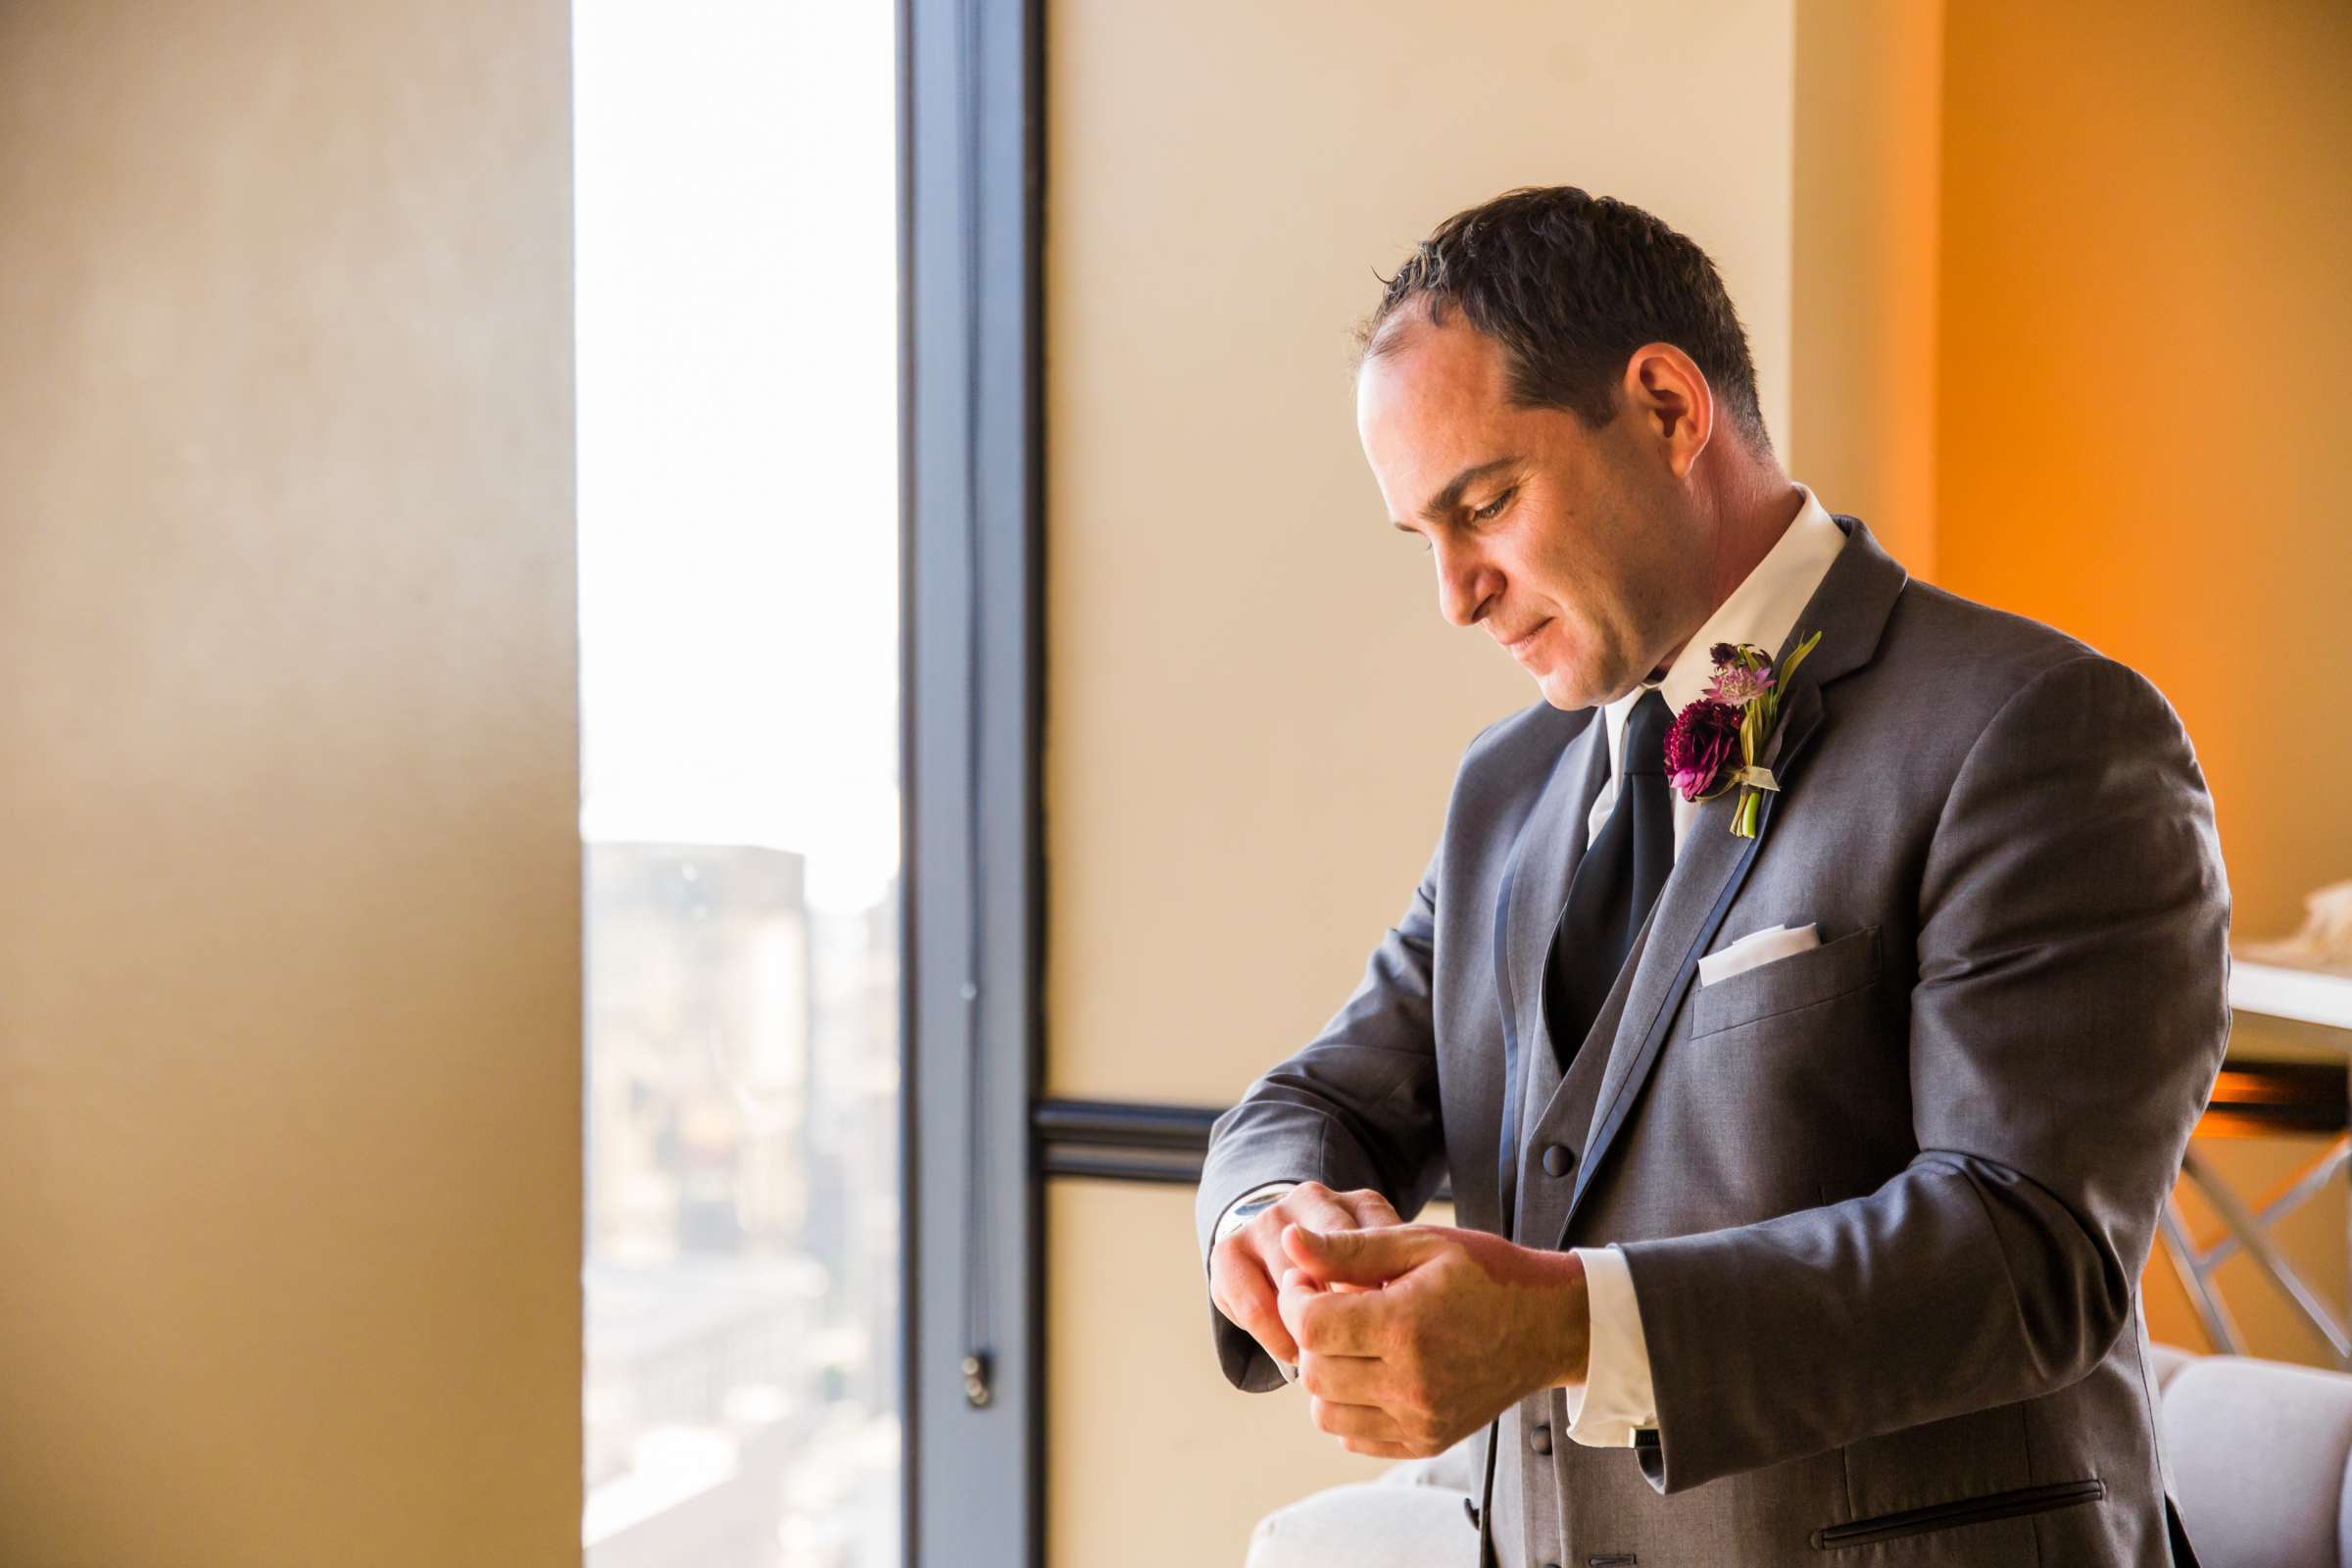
pixel 1867 129
pixel 2146 312
pixel 2140 406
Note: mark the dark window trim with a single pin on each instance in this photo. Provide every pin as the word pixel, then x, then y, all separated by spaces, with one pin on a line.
pixel 1142 1140
pixel 970 170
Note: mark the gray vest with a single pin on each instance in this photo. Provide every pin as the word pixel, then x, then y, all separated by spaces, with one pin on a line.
pixel 1521 1491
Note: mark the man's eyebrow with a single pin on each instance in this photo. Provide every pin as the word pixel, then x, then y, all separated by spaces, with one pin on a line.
pixel 1441 504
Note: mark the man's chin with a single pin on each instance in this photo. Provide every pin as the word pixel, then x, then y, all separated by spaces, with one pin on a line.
pixel 1565 695
pixel 1570 689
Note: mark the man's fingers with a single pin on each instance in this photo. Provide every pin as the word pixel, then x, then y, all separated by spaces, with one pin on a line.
pixel 1249 1300
pixel 1359 1256
pixel 1338 1323
pixel 1364 1206
pixel 1317 1206
pixel 1383 1450
pixel 1367 1422
pixel 1296 1287
pixel 1345 1379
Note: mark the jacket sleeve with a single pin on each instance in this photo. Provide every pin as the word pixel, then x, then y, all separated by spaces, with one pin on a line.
pixel 1355 1106
pixel 2067 1022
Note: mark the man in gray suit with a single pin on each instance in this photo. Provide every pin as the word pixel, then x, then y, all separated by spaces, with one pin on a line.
pixel 1806 1173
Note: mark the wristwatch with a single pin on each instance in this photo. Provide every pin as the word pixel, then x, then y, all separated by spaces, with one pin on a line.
pixel 1255 1202
pixel 1252 1202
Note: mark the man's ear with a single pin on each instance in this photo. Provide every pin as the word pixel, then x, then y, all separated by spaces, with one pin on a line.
pixel 1669 393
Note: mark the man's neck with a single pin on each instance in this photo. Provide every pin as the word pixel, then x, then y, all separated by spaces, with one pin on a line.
pixel 1752 525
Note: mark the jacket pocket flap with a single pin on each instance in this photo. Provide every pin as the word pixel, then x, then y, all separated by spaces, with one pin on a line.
pixel 1964 1511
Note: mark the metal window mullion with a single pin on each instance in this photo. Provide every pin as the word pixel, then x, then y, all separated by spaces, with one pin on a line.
pixel 971 568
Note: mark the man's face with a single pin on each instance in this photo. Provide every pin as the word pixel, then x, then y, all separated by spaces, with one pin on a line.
pixel 1576 542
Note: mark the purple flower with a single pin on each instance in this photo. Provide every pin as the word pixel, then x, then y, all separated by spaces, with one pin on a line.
pixel 1704 738
pixel 1736 685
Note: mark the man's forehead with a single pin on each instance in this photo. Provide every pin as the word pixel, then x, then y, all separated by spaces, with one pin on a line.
pixel 1418 363
pixel 1434 407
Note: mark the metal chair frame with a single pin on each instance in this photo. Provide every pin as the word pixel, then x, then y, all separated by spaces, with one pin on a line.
pixel 2248 1231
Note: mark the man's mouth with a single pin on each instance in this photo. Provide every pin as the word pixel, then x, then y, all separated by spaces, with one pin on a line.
pixel 1519 644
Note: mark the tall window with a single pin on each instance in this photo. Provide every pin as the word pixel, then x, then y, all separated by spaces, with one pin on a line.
pixel 737 298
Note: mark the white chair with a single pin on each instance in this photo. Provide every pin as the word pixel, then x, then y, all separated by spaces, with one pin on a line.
pixel 1415 1515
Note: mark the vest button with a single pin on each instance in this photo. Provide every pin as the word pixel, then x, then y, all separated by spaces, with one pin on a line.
pixel 1539 1438
pixel 1557 1157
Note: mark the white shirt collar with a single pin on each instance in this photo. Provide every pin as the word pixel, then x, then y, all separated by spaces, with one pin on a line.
pixel 1762 610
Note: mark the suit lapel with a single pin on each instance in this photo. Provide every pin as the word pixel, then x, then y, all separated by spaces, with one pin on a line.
pixel 1707 876
pixel 1534 888
pixel 1850 608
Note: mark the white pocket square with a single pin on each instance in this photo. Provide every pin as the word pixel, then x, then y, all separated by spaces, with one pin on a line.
pixel 1755 948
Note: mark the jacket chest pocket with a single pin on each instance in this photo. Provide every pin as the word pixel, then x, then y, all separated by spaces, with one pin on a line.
pixel 1836 968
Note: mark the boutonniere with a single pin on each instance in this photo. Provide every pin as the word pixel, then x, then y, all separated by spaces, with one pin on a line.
pixel 1734 719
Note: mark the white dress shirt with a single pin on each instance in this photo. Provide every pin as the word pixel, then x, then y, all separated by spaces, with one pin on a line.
pixel 1616 1396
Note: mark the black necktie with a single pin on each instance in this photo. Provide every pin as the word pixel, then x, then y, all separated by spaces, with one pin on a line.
pixel 1616 882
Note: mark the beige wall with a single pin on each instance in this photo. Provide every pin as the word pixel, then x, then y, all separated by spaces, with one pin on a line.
pixel 1255 709
pixel 289 970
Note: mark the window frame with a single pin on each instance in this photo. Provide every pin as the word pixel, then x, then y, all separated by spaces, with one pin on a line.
pixel 971 174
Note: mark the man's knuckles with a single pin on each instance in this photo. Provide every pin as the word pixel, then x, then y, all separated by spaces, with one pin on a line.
pixel 1306 1330
pixel 1328 1376
pixel 1316 1328
pixel 1422 1435
pixel 1343 1420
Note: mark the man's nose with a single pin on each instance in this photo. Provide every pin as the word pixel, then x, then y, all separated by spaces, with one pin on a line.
pixel 1464 585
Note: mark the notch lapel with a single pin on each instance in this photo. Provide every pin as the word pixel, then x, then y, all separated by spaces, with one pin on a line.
pixel 1707 876
pixel 1850 608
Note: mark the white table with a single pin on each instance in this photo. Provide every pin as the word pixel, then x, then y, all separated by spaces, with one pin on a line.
pixel 2306 995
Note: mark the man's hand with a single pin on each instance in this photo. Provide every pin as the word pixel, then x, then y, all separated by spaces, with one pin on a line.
pixel 1462 1325
pixel 1244 1266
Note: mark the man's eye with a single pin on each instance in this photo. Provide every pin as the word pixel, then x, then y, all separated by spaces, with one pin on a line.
pixel 1487 512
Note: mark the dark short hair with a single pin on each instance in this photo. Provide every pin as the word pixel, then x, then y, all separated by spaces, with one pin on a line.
pixel 1569 284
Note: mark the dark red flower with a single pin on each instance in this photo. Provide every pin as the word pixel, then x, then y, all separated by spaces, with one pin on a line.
pixel 1705 737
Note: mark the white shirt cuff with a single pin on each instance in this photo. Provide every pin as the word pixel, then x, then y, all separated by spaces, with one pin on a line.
pixel 1616 1396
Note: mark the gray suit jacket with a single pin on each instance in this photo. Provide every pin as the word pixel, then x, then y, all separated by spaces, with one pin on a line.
pixel 1885 1201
